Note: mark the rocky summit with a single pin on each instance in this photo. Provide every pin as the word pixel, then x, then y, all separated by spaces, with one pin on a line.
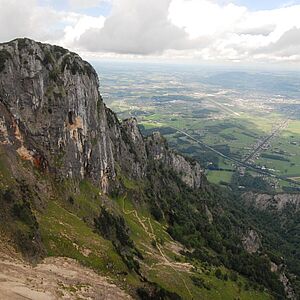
pixel 92 209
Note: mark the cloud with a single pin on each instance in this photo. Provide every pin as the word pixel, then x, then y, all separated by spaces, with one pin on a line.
pixel 137 27
pixel 287 47
pixel 204 17
pixel 82 24
pixel 199 29
pixel 239 34
pixel 43 23
pixel 264 30
pixel 26 18
pixel 212 30
pixel 289 40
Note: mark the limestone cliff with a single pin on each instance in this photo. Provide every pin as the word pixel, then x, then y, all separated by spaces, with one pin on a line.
pixel 277 202
pixel 52 114
pixel 251 241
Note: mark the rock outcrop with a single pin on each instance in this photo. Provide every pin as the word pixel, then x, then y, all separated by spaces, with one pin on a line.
pixel 276 202
pixel 251 241
pixel 290 293
pixel 190 172
pixel 52 114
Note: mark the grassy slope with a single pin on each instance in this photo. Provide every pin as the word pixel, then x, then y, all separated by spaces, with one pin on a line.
pixel 169 269
pixel 64 233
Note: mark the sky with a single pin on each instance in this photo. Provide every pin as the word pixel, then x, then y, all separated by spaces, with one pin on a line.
pixel 245 32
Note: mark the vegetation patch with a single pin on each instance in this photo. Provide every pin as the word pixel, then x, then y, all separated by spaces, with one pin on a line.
pixel 4 56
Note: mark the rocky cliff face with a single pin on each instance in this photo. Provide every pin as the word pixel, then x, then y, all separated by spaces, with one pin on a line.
pixel 52 114
pixel 189 171
pixel 251 241
pixel 281 214
pixel 277 202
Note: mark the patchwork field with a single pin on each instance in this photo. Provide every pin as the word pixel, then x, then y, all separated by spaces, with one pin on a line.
pixel 223 121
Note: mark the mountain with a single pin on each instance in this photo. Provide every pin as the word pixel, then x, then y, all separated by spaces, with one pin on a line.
pixel 82 192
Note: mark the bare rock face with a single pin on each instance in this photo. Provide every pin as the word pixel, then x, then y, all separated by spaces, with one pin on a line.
pixel 50 97
pixel 289 291
pixel 190 172
pixel 282 207
pixel 52 114
pixel 276 202
pixel 251 241
pixel 137 158
pixel 283 278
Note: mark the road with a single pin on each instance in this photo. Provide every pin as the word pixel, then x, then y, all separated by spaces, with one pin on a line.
pixel 236 161
pixel 266 140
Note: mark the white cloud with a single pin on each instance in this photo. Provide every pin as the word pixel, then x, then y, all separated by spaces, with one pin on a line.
pixel 237 33
pixel 79 27
pixel 43 23
pixel 205 18
pixel 180 29
pixel 26 18
pixel 199 29
pixel 137 27
pixel 287 47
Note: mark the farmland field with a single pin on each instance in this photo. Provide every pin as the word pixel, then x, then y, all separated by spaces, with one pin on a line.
pixel 234 122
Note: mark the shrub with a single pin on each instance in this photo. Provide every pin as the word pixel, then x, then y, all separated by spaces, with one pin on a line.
pixel 218 274
pixel 4 55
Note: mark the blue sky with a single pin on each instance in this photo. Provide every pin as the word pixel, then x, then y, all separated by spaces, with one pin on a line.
pixel 102 8
pixel 265 4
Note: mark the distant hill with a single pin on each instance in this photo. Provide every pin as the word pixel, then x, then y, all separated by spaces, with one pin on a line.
pixel 267 82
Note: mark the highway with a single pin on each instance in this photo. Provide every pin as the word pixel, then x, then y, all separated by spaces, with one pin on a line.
pixel 236 161
pixel 266 140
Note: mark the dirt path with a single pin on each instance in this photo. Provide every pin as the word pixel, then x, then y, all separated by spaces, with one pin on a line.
pixel 151 234
pixel 53 279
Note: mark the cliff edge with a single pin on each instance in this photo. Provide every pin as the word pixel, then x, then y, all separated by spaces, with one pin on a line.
pixel 52 114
